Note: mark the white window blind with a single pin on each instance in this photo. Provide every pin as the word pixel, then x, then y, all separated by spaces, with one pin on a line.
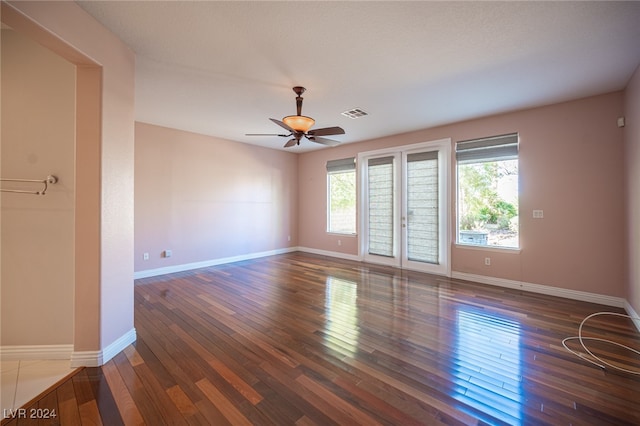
pixel 380 183
pixel 341 165
pixel 422 207
pixel 494 148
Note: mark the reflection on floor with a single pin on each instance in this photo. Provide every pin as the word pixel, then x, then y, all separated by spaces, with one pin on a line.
pixel 24 380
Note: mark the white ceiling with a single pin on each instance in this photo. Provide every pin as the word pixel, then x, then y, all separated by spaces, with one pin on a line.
pixel 223 68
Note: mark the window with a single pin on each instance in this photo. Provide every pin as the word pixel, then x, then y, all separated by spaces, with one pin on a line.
pixel 488 191
pixel 341 196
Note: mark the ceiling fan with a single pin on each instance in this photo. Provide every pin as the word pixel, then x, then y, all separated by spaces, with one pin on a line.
pixel 299 126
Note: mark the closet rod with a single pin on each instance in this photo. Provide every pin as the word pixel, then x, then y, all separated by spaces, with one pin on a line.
pixel 51 179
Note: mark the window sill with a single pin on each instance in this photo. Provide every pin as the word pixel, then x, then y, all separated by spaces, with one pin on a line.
pixel 345 234
pixel 510 250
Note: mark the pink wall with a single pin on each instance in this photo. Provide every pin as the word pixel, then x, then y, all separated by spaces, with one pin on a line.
pixel 206 198
pixel 571 158
pixel 37 238
pixel 103 299
pixel 632 156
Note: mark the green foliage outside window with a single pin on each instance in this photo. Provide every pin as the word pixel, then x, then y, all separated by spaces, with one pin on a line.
pixel 482 202
pixel 342 202
pixel 343 190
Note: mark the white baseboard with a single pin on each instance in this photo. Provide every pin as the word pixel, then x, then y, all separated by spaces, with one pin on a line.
pixel 118 346
pixel 98 358
pixel 331 254
pixel 42 352
pixel 633 314
pixel 584 296
pixel 86 359
pixel 207 263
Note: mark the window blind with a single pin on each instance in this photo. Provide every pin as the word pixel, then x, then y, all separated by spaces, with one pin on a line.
pixel 381 220
pixel 342 165
pixel 422 207
pixel 493 148
pixel 422 156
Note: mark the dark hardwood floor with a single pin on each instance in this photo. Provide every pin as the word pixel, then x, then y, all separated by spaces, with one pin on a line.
pixel 302 339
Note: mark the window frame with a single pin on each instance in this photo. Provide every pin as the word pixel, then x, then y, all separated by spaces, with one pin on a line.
pixel 344 165
pixel 496 148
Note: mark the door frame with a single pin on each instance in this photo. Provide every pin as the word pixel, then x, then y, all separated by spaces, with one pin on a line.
pixel 444 175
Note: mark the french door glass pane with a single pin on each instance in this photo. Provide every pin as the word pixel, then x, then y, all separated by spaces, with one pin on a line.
pixel 380 185
pixel 422 207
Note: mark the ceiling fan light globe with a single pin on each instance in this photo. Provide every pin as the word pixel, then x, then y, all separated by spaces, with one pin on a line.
pixel 299 123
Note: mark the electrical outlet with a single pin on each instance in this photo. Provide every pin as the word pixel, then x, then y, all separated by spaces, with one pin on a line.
pixel 538 214
pixel 487 261
pixel 145 256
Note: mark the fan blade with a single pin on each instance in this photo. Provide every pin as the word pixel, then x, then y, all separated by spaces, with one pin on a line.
pixel 267 134
pixel 291 142
pixel 323 141
pixel 281 124
pixel 326 131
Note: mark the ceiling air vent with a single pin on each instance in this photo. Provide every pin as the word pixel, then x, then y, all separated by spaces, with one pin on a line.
pixel 354 113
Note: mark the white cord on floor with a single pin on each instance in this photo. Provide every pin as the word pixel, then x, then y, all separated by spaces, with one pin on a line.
pixel 603 363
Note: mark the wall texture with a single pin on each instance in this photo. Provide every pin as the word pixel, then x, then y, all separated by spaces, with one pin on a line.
pixel 632 157
pixel 571 158
pixel 205 198
pixel 38 139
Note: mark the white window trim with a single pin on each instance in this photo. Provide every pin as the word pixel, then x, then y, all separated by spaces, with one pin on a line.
pixel 500 249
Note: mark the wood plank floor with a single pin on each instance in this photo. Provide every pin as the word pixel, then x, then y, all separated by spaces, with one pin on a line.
pixel 307 340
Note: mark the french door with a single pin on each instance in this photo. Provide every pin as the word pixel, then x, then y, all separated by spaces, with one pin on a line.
pixel 405 206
